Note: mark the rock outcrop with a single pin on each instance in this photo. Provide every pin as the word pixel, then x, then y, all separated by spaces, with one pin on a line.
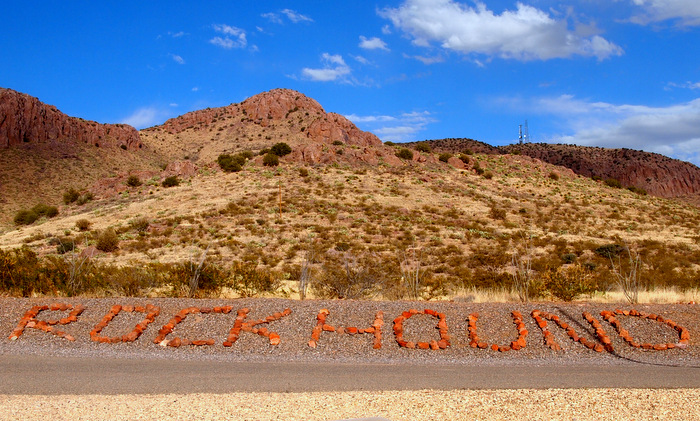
pixel 24 118
pixel 657 174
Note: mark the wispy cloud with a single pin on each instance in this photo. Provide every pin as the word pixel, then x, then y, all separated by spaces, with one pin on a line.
pixel 526 33
pixel 373 43
pixel 233 37
pixel 295 16
pixel 399 128
pixel 292 15
pixel 177 59
pixel 334 69
pixel 426 60
pixel 686 85
pixel 147 117
pixel 670 130
pixel 686 11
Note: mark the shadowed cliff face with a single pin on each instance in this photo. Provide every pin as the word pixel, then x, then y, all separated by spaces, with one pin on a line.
pixel 25 119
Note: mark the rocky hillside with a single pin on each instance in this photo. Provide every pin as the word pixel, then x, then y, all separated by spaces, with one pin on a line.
pixel 657 174
pixel 279 115
pixel 25 119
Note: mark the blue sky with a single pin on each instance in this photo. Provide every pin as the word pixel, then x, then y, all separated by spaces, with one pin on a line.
pixel 612 73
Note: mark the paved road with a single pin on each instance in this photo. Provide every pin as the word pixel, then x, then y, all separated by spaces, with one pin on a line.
pixel 59 375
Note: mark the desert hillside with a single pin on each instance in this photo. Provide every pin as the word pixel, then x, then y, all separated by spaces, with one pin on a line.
pixel 336 208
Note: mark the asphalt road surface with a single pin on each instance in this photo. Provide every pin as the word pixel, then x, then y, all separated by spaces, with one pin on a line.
pixel 39 375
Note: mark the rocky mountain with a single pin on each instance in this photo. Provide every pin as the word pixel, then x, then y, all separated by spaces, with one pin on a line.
pixel 279 115
pixel 657 174
pixel 24 119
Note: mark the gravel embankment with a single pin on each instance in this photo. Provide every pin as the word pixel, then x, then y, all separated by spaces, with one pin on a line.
pixel 580 405
pixel 495 326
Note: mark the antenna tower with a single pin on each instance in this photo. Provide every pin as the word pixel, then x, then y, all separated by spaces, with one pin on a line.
pixel 523 133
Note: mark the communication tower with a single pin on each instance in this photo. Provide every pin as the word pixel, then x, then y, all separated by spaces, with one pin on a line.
pixel 523 133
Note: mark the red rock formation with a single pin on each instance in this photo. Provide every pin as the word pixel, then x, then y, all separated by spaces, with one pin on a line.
pixel 334 127
pixel 657 174
pixel 24 118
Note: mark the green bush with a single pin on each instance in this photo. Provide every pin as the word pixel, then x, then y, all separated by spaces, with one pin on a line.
pixel 28 217
pixel 171 181
pixel 609 251
pixel 464 158
pixel 338 143
pixel 389 143
pixel 303 172
pixel 444 157
pixel 246 154
pixel 553 176
pixel 568 283
pixel 107 241
pixel 82 224
pixel 281 149
pixel 423 147
pixel 250 281
pixel 70 196
pixel 84 199
pixel 405 153
pixel 133 181
pixel 614 183
pixel 230 163
pixel 271 160
pixel 468 152
pixel 25 217
pixel 640 191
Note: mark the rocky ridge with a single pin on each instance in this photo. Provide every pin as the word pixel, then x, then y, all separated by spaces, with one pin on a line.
pixel 25 119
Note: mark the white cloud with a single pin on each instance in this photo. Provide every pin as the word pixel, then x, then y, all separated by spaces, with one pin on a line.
pixel 272 17
pixel 177 59
pixel 399 128
pixel 334 69
pixel 361 59
pixel 526 33
pixel 146 117
pixel 688 11
pixel 292 15
pixel 426 60
pixel 373 43
pixel 177 34
pixel 686 85
pixel 386 29
pixel 233 37
pixel 295 16
pixel 670 130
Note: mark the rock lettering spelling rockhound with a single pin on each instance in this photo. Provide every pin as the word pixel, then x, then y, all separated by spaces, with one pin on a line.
pixel 260 327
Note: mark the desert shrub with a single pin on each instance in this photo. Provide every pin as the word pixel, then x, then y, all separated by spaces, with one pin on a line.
pixel 568 283
pixel 20 273
pixel 338 142
pixel 84 199
pixel 303 172
pixel 271 160
pixel 70 196
pixel 249 280
pixel 487 175
pixel 107 241
pixel 45 210
pixel 477 168
pixel 497 213
pixel 464 158
pixel 29 216
pixel 423 147
pixel 347 276
pixel 230 163
pixel 609 251
pixel 444 157
pixel 264 151
pixel 281 149
pixel 640 191
pixel 246 154
pixel 389 143
pixel 83 224
pixel 65 245
pixel 568 258
pixel 140 224
pixel 614 183
pixel 171 181
pixel 404 153
pixel 133 181
pixel 25 217
pixel 553 176
pixel 468 152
